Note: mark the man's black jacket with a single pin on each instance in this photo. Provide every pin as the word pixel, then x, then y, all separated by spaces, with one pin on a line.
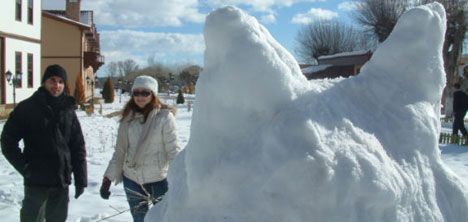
pixel 460 101
pixel 53 142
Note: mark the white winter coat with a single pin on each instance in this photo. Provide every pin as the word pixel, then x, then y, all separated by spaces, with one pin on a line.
pixel 148 160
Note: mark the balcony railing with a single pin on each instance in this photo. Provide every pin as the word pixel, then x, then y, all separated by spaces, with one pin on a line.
pixel 91 46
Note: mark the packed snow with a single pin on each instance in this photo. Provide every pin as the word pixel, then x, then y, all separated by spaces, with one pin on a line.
pixel 263 144
pixel 267 145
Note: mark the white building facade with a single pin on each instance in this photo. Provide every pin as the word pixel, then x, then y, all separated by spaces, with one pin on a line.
pixel 20 48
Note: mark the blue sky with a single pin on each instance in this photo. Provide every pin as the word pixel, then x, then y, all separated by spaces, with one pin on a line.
pixel 171 31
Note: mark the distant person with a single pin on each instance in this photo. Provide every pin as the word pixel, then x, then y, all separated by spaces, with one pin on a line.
pixel 460 106
pixel 180 97
pixel 54 148
pixel 146 143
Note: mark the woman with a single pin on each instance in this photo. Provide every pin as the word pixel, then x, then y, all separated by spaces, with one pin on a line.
pixel 146 143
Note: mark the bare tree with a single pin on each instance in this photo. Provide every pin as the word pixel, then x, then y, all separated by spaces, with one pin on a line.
pixel 323 37
pixel 158 71
pixel 190 74
pixel 127 67
pixel 112 69
pixel 379 16
pixel 151 61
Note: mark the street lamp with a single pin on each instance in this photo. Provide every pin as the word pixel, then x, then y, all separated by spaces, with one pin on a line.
pixel 94 86
pixel 128 86
pixel 14 80
pixel 120 87
pixel 171 80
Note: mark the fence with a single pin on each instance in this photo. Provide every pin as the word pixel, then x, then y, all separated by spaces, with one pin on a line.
pixel 172 100
pixel 450 119
pixel 448 138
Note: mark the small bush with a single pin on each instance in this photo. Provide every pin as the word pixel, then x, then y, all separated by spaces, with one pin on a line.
pixel 108 91
pixel 79 90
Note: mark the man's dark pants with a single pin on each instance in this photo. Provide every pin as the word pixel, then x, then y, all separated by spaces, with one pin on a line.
pixel 50 203
pixel 459 124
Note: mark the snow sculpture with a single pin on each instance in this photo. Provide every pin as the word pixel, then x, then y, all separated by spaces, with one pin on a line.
pixel 267 145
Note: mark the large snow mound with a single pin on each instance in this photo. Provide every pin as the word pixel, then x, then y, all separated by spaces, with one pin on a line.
pixel 267 145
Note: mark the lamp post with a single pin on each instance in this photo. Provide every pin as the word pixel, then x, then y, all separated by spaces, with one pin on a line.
pixel 128 86
pixel 13 80
pixel 120 87
pixel 94 86
pixel 171 80
pixel 88 81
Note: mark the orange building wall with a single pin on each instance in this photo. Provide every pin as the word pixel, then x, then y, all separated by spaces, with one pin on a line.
pixel 62 44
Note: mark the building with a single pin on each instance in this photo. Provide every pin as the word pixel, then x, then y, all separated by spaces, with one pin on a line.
pixel 20 50
pixel 338 65
pixel 70 39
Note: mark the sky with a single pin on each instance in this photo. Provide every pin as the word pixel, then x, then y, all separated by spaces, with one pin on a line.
pixel 171 31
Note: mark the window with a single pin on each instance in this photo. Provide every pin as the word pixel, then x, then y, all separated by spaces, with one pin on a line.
pixel 18 10
pixel 30 70
pixel 19 63
pixel 30 11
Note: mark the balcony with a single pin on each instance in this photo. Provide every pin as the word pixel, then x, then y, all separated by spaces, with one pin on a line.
pixel 93 59
pixel 92 50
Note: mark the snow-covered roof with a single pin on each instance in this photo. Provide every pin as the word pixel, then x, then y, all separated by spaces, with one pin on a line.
pixel 315 68
pixel 344 54
pixel 62 17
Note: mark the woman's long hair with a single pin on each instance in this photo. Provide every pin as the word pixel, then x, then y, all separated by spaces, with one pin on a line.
pixel 132 106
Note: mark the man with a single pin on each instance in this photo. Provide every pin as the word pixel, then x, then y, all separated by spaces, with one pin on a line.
pixel 54 148
pixel 460 105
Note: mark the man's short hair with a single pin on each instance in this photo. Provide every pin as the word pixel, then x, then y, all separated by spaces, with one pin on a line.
pixel 457 85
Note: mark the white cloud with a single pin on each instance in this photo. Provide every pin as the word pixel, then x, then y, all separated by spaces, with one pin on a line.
pixel 144 13
pixel 151 13
pixel 138 45
pixel 314 14
pixel 257 5
pixel 138 13
pixel 347 6
pixel 268 19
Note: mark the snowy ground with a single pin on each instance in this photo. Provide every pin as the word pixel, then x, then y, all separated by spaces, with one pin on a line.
pixel 456 157
pixel 100 137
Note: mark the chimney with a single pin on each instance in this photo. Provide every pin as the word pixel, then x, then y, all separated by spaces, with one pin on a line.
pixel 73 9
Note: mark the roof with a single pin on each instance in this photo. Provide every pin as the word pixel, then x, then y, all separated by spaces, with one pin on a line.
pixel 315 68
pixel 347 58
pixel 344 54
pixel 64 19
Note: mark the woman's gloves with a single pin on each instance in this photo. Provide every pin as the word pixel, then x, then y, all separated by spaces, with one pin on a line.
pixel 105 193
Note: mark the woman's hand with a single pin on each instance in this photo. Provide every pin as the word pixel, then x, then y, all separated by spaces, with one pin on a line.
pixel 105 193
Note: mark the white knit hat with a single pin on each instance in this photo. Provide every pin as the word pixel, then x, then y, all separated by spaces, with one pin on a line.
pixel 146 82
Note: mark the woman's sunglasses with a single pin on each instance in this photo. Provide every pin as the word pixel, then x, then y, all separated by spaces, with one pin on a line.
pixel 141 93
